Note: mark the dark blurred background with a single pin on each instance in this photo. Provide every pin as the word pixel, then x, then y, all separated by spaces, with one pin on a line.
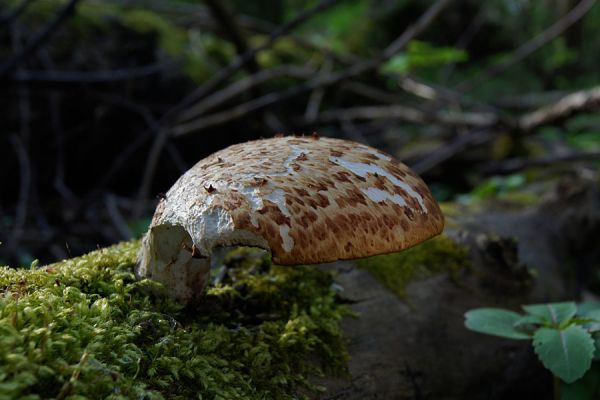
pixel 105 103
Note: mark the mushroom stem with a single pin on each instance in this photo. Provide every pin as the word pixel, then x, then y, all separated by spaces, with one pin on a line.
pixel 169 256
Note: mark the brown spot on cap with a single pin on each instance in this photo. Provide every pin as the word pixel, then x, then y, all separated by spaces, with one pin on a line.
pixel 302 157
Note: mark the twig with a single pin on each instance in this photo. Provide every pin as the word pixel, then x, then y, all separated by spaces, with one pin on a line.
pixel 316 97
pixel 449 150
pixel 464 39
pixel 67 388
pixel 24 189
pixel 530 46
pixel 59 139
pixel 8 18
pixel 320 81
pixel 116 218
pixel 528 101
pixel 242 85
pixel 220 11
pixel 512 165
pixel 176 157
pixel 160 139
pixel 225 73
pixel 400 112
pixel 585 100
pixel 372 93
pixel 44 35
pixel 104 181
pixel 88 77
pixel 20 144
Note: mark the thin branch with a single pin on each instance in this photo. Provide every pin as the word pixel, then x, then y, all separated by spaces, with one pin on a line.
pixel 42 37
pixel 89 77
pixel 241 86
pixel 116 217
pixel 8 18
pixel 409 114
pixel 316 97
pixel 530 46
pixel 24 189
pixel 528 101
pixel 319 81
pixel 584 100
pixel 225 73
pixel 160 139
pixel 518 164
pixel 221 12
pixel 448 150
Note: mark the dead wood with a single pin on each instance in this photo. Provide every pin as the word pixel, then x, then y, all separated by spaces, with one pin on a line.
pixel 418 348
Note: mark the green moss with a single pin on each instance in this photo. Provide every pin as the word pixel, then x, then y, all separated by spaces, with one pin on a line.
pixel 85 328
pixel 396 270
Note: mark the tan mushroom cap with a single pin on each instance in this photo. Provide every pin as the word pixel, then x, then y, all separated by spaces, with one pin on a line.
pixel 306 199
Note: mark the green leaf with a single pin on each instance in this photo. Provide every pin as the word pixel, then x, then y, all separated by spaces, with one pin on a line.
pixel 529 320
pixel 555 313
pixel 496 322
pixel 587 307
pixel 567 353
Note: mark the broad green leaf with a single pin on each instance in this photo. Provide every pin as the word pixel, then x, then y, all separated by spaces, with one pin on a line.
pixel 555 313
pixel 567 353
pixel 495 321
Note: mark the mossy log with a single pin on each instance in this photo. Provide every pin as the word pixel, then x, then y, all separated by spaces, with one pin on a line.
pixel 410 342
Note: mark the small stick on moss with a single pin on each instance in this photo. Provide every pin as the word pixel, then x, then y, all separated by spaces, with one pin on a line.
pixel 68 386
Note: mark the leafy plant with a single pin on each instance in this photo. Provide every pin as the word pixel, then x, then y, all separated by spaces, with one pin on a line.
pixel 566 336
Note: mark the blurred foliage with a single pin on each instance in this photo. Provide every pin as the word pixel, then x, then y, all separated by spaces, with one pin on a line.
pixel 420 55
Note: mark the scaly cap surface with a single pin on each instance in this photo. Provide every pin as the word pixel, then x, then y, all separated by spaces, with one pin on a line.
pixel 306 199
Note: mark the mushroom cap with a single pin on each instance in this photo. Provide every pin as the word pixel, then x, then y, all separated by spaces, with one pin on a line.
pixel 306 199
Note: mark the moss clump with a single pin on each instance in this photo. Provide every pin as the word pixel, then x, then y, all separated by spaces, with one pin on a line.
pixel 85 328
pixel 396 270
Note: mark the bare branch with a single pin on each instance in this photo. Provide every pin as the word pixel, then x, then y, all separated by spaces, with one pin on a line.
pixel 319 81
pixel 42 37
pixel 116 217
pixel 220 11
pixel 225 73
pixel 517 164
pixel 88 77
pixel 531 46
pixel 585 100
pixel 448 150
pixel 242 85
pixel 8 18
pixel 409 114
pixel 24 189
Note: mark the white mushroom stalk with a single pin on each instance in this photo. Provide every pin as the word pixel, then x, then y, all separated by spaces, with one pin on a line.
pixel 305 199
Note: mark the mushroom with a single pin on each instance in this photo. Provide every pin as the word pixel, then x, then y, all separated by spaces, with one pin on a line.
pixel 306 200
